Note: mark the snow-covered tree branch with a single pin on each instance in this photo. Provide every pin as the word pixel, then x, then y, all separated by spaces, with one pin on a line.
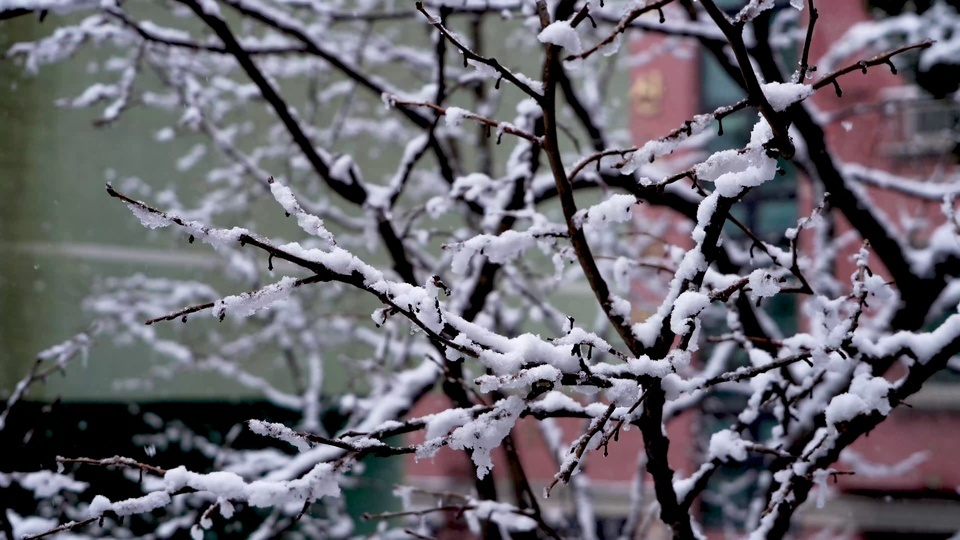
pixel 411 193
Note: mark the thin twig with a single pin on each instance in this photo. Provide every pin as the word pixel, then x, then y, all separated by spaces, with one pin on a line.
pixel 182 314
pixel 468 54
pixel 808 40
pixel 885 58
pixel 622 26
pixel 500 127
pixel 744 373
pixel 115 461
pixel 69 526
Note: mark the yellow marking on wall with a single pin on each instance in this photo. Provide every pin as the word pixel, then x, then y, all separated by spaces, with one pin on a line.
pixel 646 93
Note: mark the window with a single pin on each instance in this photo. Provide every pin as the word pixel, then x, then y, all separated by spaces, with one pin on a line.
pixel 923 126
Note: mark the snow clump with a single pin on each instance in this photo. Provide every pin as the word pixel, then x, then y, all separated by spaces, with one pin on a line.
pixel 562 34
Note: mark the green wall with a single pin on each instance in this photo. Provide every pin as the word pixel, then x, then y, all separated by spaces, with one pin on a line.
pixel 60 232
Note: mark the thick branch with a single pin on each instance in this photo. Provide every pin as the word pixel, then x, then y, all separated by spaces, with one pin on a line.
pixel 352 191
pixel 734 35
pixel 578 238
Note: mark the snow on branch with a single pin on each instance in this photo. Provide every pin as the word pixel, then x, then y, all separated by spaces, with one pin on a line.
pixel 454 276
